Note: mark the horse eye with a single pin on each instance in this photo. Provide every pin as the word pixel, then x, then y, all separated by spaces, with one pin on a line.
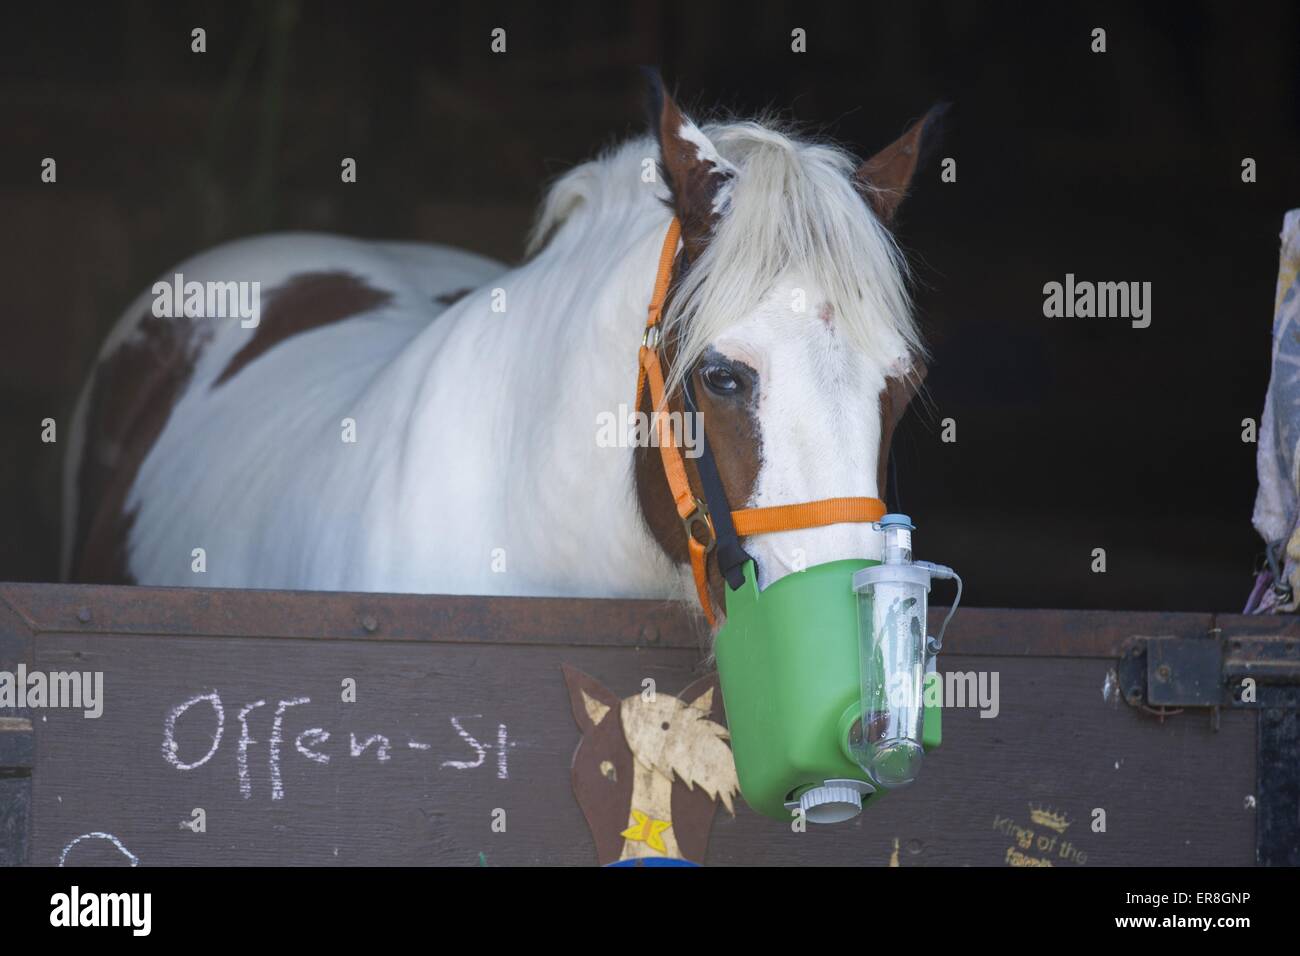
pixel 720 380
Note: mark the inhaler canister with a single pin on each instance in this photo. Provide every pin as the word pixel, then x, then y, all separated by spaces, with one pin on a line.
pixel 892 599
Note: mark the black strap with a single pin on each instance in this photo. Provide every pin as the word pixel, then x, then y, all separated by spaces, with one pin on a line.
pixel 731 556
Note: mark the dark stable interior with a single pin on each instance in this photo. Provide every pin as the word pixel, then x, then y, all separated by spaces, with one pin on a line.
pixel 1072 434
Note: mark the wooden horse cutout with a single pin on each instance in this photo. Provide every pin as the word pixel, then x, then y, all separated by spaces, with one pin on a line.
pixel 650 768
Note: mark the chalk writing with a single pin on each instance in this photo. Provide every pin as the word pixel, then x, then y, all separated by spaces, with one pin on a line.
pixel 315 735
pixel 241 759
pixel 503 749
pixel 169 748
pixel 480 749
pixel 381 751
pixel 312 743
pixel 99 835
pixel 277 726
pixel 477 747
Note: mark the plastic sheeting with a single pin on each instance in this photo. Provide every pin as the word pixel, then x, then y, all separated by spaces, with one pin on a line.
pixel 1277 504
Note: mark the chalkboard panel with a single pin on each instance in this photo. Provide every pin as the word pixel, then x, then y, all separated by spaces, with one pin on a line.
pixel 202 712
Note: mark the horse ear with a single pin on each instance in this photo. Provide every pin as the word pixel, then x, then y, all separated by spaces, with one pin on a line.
pixel 885 177
pixel 693 169
pixel 590 700
pixel 702 695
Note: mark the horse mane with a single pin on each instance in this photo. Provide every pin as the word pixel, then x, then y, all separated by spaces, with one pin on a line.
pixel 792 208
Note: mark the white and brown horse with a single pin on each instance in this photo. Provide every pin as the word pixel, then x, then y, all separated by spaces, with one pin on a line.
pixel 405 417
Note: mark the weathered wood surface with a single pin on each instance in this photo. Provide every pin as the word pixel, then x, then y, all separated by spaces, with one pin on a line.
pixel 469 695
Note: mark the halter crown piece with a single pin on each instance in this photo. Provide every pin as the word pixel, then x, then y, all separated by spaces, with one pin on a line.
pixel 709 513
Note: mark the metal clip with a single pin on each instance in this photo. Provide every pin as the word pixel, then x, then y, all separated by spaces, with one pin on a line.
pixel 700 515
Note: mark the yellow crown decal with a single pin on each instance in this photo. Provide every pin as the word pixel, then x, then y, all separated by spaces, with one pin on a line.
pixel 1051 819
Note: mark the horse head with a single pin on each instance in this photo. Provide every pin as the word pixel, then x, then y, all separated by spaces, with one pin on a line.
pixel 787 327
pixel 650 768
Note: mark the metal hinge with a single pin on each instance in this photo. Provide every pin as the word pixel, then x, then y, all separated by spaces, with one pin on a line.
pixel 1166 675
pixel 1273 664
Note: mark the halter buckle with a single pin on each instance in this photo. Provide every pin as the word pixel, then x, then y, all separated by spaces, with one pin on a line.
pixel 650 339
pixel 700 516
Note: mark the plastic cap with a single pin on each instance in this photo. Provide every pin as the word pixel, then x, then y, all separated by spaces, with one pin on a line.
pixel 895 520
pixel 830 803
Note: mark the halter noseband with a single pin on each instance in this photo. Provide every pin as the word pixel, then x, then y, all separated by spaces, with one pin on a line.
pixel 721 526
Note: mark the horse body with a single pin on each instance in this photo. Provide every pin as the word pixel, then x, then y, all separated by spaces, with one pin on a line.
pixel 475 466
pixel 235 461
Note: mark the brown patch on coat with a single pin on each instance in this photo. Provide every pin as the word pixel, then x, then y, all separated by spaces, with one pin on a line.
pixel 894 399
pixel 735 440
pixel 653 494
pixel 135 389
pixel 305 302
pixel 694 181
pixel 132 396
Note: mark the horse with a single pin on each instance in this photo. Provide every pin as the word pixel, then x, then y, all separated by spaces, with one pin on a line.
pixel 650 768
pixel 407 417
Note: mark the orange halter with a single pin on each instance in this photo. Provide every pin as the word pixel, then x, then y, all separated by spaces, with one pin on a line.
pixel 694 512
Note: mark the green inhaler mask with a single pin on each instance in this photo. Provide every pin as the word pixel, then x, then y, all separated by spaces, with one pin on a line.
pixel 827 677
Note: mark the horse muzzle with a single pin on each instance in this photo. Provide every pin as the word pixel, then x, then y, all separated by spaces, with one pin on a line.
pixel 829 680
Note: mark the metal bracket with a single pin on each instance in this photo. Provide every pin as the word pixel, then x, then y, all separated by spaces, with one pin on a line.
pixel 1167 675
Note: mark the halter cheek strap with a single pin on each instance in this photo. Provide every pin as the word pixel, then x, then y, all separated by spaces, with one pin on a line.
pixel 710 523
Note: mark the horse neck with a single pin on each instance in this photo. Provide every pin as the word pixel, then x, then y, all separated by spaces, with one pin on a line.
pixel 652 795
pixel 566 352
